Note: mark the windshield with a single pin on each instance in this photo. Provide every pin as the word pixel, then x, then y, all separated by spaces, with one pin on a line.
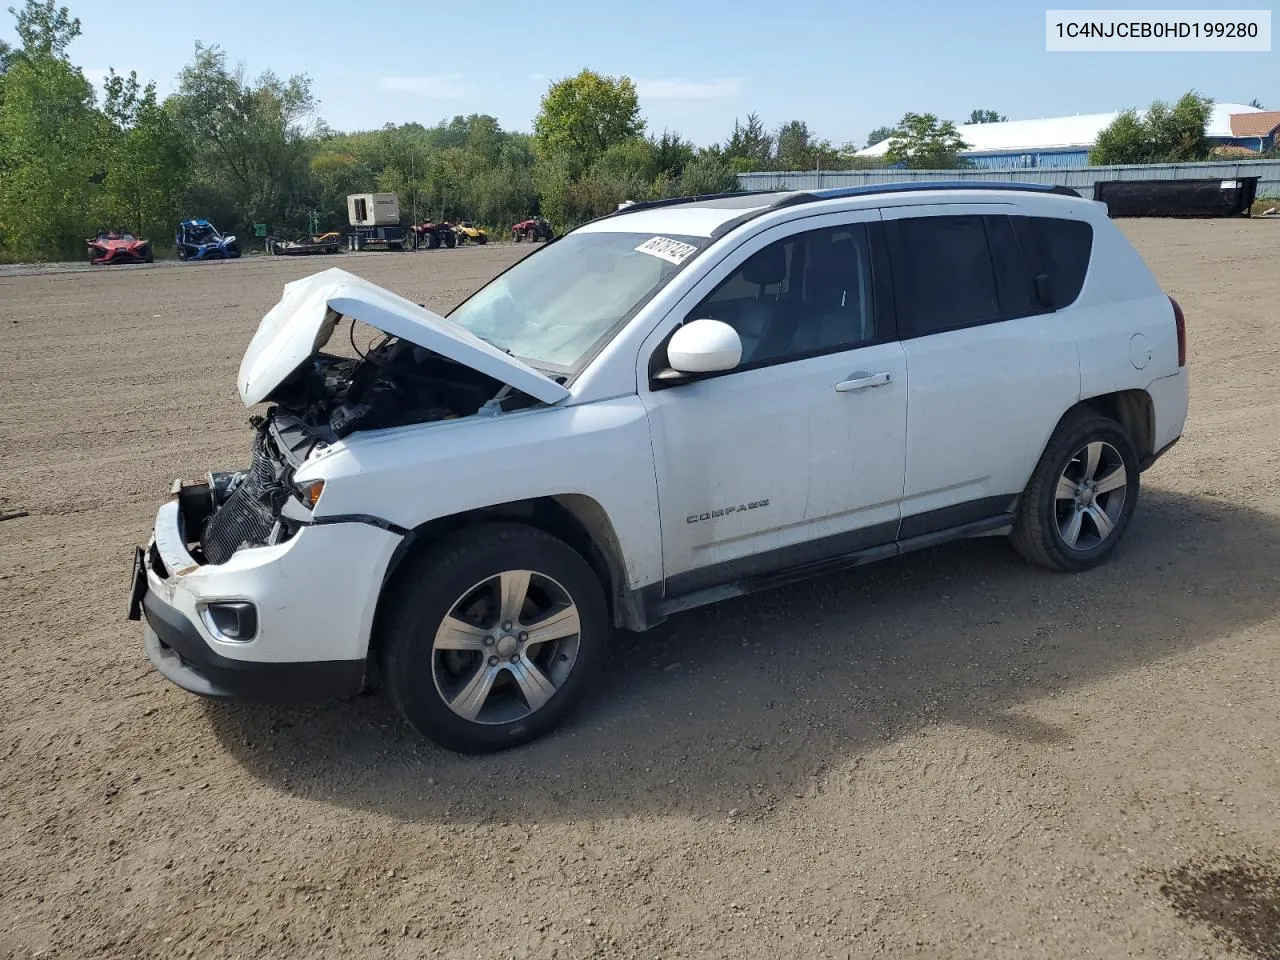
pixel 554 307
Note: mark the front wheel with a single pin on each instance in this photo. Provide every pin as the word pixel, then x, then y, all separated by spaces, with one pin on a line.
pixel 493 637
pixel 1081 496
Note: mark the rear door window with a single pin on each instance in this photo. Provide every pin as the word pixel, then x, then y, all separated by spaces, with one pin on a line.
pixel 943 275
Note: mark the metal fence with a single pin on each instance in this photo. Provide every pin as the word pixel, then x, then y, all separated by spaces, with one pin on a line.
pixel 1080 179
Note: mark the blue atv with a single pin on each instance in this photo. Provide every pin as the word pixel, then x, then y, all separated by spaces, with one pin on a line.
pixel 200 240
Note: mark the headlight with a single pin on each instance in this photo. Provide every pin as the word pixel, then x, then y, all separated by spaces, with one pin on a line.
pixel 230 239
pixel 309 492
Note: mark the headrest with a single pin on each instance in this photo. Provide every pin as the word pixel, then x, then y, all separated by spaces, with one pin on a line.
pixel 767 266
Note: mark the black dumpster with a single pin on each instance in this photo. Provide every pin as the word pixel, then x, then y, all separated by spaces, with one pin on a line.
pixel 1215 197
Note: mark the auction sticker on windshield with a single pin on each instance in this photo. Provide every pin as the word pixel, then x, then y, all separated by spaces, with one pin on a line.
pixel 671 250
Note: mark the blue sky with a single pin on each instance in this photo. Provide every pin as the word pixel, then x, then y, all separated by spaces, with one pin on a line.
pixel 844 67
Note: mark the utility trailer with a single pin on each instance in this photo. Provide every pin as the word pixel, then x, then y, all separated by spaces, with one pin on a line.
pixel 375 223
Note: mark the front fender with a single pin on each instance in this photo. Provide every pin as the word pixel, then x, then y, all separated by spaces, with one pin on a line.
pixel 411 475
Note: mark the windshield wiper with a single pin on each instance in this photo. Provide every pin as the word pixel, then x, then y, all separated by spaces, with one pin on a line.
pixel 506 350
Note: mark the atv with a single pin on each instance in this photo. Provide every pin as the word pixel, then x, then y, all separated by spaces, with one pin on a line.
pixel 533 230
pixel 431 235
pixel 201 240
pixel 119 246
pixel 468 232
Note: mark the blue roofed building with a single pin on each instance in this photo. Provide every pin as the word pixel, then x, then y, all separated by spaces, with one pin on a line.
pixel 1066 141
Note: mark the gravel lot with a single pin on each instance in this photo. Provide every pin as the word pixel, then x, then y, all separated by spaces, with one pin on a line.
pixel 951 754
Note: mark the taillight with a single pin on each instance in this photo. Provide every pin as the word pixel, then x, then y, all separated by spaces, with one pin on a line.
pixel 1180 322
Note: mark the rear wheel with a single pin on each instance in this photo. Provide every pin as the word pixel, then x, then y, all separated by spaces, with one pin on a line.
pixel 433 240
pixel 1081 497
pixel 493 637
pixel 450 239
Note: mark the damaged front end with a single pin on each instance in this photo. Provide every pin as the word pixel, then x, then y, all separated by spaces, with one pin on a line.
pixel 424 369
pixel 247 508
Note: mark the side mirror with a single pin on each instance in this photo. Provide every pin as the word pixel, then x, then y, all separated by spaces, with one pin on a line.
pixel 704 346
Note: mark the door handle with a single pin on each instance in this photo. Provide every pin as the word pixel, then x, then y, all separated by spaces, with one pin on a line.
pixel 861 381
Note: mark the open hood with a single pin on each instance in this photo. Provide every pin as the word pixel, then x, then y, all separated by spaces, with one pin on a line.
pixel 304 319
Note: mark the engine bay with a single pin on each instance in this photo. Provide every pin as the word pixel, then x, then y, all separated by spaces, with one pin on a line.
pixel 394 384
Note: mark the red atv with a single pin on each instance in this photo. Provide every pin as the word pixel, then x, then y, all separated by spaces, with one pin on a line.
pixel 119 246
pixel 431 235
pixel 533 230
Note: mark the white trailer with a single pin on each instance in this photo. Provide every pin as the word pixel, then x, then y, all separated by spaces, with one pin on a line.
pixel 375 222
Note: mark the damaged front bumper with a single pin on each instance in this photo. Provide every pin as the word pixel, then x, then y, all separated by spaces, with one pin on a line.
pixel 306 605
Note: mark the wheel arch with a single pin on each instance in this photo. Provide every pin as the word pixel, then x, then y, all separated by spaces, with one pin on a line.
pixel 1132 409
pixel 1135 412
pixel 577 519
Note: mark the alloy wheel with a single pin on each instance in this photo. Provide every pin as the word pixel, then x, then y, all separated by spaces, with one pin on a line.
pixel 1090 496
pixel 505 647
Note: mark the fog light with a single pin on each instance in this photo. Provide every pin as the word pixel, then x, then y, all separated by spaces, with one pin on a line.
pixel 234 620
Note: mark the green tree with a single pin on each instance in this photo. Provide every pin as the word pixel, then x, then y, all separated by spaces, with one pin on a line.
pixel 749 147
pixel 923 142
pixel 250 139
pixel 583 116
pixel 986 116
pixel 878 135
pixel 50 135
pixel 148 162
pixel 1162 134
pixel 1123 140
pixel 706 174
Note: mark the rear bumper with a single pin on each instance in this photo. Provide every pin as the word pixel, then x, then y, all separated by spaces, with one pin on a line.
pixel 176 648
pixel 1170 399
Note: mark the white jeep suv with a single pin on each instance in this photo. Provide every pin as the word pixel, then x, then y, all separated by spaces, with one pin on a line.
pixel 678 403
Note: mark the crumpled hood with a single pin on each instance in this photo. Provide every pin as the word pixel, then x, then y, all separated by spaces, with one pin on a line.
pixel 309 310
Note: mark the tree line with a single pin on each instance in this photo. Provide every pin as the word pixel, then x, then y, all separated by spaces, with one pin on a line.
pixel 244 150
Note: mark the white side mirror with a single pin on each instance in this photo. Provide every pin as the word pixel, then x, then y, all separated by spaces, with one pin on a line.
pixel 704 346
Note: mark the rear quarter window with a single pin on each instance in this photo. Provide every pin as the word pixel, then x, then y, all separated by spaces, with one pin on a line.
pixel 1064 248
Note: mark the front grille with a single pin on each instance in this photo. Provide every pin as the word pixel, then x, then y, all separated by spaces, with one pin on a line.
pixel 250 513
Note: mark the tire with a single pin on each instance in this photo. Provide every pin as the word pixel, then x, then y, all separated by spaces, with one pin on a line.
pixel 450 239
pixel 482 239
pixel 433 240
pixel 465 574
pixel 517 236
pixel 1050 515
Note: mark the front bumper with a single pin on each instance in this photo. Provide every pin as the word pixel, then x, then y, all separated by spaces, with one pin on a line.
pixel 315 596
pixel 175 647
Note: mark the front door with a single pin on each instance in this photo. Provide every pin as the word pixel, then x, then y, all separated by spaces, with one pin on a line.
pixel 800 452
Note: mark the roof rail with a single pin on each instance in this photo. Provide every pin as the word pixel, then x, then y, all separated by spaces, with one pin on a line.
pixel 909 186
pixel 675 201
pixel 834 193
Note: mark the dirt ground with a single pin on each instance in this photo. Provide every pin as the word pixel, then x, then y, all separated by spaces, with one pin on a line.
pixel 947 755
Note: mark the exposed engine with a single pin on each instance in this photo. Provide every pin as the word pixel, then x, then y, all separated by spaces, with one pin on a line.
pixel 396 383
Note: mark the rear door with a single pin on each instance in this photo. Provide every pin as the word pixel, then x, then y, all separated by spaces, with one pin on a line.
pixel 990 370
